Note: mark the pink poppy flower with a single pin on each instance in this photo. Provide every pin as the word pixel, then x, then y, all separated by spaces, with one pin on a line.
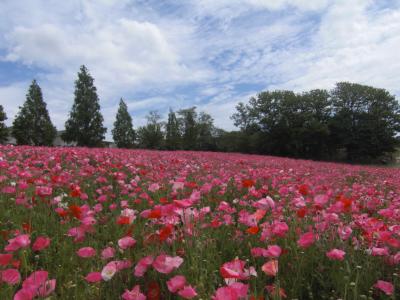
pixel 185 203
pixel 108 272
pixel 258 252
pixel 385 287
pixel 241 289
pixel 25 294
pixel 35 280
pixel 306 240
pixel 93 277
pixel 121 264
pixel 234 291
pixel 225 293
pixel 273 251
pixel 336 254
pixel 166 264
pixel 176 283
pixel 143 265
pixel 188 292
pixel 154 187
pixel 265 203
pixel 134 294
pixel 43 191
pixel 379 251
pixel 21 241
pixel 270 268
pixel 126 242
pixel 345 232
pixel 10 276
pixel 86 252
pixel 280 228
pixel 235 270
pixel 36 285
pixel 42 242
pixel 47 288
pixel 321 200
pixel 107 253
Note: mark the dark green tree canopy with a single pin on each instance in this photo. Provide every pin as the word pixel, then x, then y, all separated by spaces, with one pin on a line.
pixel 187 120
pixel 32 125
pixel 123 133
pixel 173 139
pixel 366 120
pixel 85 123
pixel 361 120
pixel 151 135
pixel 3 127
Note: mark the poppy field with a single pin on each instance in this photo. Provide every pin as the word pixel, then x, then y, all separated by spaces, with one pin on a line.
pixel 79 223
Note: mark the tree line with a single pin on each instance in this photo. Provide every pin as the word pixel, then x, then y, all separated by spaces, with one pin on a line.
pixel 351 122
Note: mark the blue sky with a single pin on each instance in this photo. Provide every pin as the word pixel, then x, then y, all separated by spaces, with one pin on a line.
pixel 180 53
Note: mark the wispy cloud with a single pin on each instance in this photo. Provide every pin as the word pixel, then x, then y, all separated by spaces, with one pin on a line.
pixel 208 53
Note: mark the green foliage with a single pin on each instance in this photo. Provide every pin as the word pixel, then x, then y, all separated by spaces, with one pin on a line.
pixel 3 127
pixel 123 133
pixel 187 119
pixel 366 120
pixel 206 132
pixel 32 125
pixel 151 135
pixel 198 131
pixel 173 140
pixel 317 124
pixel 85 123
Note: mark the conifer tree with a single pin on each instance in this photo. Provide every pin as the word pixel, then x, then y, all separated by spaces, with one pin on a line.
pixel 3 127
pixel 123 133
pixel 32 125
pixel 85 123
pixel 173 137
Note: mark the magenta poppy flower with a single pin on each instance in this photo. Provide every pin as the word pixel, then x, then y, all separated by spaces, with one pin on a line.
pixel 176 283
pixel 126 242
pixel 93 277
pixel 336 254
pixel 134 294
pixel 166 264
pixel 107 253
pixel 385 287
pixel 142 266
pixel 270 268
pixel 42 242
pixel 306 240
pixel 21 241
pixel 188 292
pixel 86 252
pixel 10 276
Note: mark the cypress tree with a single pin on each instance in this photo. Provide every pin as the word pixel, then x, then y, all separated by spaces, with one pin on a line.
pixel 85 123
pixel 173 137
pixel 123 133
pixel 32 125
pixel 3 127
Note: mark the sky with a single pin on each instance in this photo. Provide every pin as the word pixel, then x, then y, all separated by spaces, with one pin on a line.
pixel 176 54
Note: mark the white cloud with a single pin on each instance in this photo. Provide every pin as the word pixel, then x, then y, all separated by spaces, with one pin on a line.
pixel 198 52
pixel 353 44
pixel 15 94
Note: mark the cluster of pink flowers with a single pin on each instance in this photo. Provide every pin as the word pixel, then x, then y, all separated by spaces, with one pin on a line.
pixel 273 208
